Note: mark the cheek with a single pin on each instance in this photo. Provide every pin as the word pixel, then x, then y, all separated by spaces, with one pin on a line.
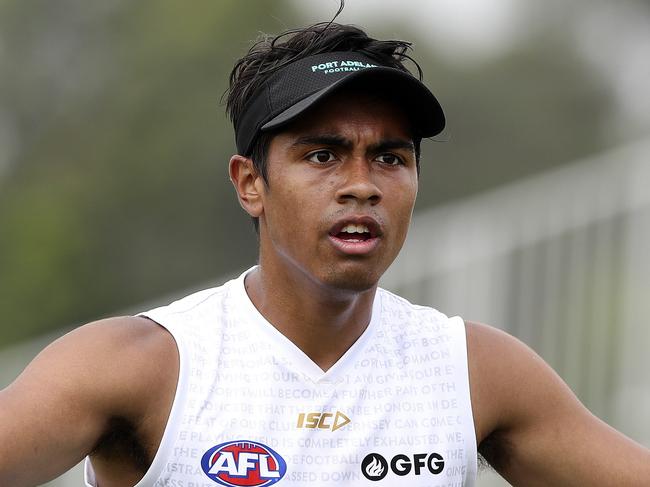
pixel 404 205
pixel 406 194
pixel 292 211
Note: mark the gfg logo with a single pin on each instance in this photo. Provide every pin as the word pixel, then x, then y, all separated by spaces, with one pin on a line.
pixel 375 467
pixel 243 463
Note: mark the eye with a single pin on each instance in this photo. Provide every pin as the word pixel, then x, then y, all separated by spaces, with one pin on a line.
pixel 390 159
pixel 321 157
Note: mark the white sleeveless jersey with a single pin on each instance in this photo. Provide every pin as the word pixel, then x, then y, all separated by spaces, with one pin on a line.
pixel 251 409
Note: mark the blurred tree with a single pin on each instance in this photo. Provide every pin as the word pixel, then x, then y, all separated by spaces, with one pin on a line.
pixel 537 106
pixel 119 191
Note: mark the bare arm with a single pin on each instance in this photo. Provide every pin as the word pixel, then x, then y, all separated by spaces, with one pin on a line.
pixel 534 430
pixel 58 409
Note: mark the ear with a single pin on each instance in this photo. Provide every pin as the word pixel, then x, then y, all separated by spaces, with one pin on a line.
pixel 248 184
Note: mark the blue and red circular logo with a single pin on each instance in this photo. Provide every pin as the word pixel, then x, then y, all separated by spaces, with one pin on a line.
pixel 243 463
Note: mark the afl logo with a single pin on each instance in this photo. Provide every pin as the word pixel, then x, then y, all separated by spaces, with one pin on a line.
pixel 243 463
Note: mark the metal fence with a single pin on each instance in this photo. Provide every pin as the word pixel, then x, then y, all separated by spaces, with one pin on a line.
pixel 561 260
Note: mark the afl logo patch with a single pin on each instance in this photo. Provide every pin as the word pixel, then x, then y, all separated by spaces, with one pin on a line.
pixel 243 463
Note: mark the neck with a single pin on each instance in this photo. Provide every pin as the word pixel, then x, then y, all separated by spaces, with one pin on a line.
pixel 322 322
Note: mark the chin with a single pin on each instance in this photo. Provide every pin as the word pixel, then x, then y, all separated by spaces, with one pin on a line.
pixel 351 279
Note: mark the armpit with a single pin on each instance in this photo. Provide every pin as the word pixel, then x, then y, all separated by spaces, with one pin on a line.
pixel 120 444
pixel 495 451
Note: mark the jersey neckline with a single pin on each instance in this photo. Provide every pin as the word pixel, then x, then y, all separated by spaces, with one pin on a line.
pixel 280 347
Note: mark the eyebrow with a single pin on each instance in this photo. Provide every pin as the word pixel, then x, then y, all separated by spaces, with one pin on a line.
pixel 391 144
pixel 323 139
pixel 333 140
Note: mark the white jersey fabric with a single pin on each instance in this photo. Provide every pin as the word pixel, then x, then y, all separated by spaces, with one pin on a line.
pixel 251 409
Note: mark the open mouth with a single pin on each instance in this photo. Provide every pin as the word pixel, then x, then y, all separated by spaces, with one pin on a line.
pixel 354 233
pixel 356 236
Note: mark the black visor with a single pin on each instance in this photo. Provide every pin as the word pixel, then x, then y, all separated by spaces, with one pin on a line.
pixel 296 87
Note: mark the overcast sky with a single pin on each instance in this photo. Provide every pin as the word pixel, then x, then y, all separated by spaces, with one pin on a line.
pixel 465 28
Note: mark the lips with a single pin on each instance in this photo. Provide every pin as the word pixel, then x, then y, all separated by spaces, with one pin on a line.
pixel 356 236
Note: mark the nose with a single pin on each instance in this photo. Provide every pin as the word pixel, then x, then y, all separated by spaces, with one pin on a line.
pixel 358 183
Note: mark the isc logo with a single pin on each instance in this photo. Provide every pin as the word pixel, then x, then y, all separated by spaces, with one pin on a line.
pixel 243 463
pixel 324 421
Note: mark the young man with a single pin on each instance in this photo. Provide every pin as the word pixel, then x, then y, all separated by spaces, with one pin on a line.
pixel 303 371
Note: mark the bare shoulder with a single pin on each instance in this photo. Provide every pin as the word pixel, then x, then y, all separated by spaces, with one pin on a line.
pixel 525 414
pixel 509 381
pixel 132 338
pixel 111 358
pixel 65 401
pixel 137 352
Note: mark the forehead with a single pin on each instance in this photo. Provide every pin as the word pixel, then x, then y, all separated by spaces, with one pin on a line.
pixel 353 111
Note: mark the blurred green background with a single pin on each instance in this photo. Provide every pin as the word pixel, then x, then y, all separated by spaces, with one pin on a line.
pixel 114 143
pixel 114 189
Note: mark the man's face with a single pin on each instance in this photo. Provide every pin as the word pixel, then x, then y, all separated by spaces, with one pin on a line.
pixel 342 186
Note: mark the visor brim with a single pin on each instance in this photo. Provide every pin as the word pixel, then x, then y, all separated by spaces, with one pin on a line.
pixel 420 105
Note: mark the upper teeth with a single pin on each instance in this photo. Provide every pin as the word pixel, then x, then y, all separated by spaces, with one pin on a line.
pixel 350 228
